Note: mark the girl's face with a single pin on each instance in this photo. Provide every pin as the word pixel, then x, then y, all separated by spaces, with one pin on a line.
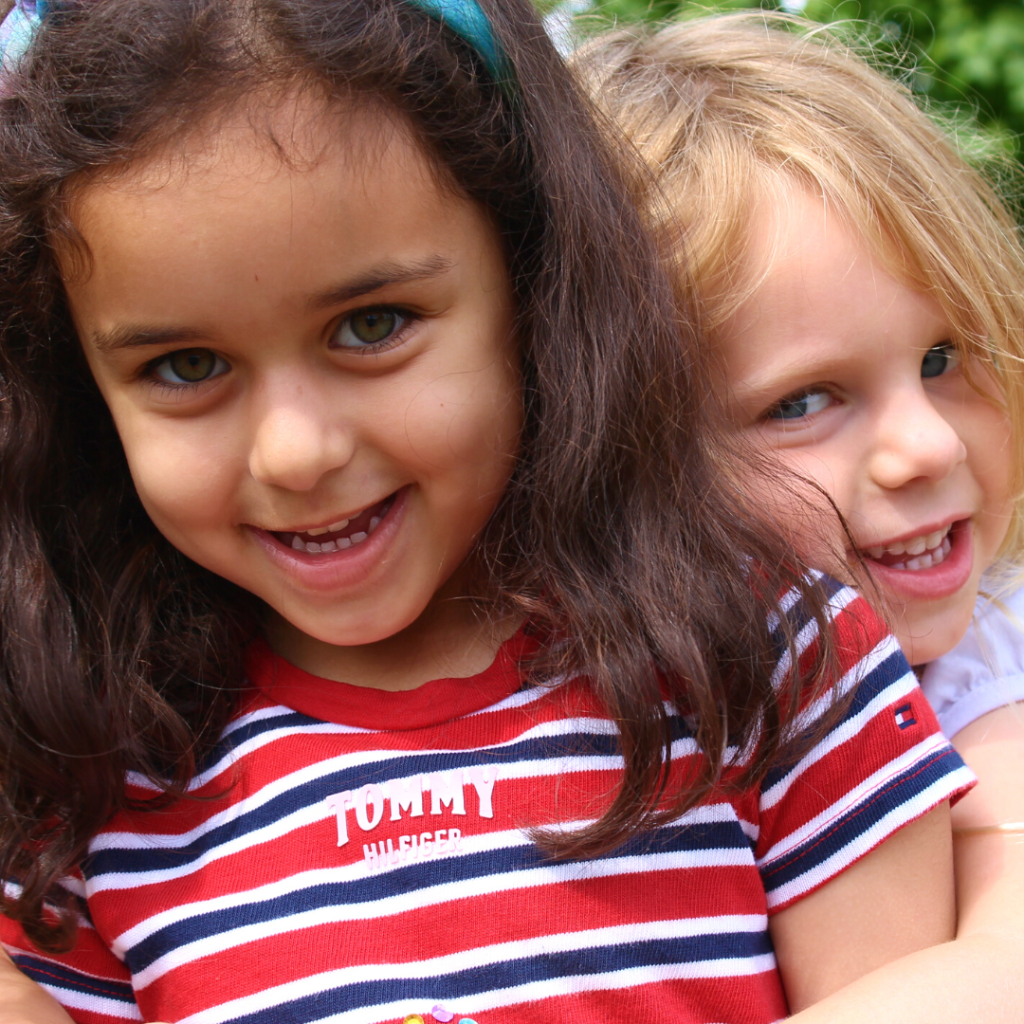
pixel 849 378
pixel 309 359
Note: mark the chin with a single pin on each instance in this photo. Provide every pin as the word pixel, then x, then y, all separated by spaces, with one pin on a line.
pixel 345 628
pixel 926 638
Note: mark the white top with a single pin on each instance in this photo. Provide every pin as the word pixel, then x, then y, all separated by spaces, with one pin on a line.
pixel 985 670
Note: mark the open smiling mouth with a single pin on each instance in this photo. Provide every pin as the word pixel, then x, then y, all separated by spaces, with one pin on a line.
pixel 915 554
pixel 346 533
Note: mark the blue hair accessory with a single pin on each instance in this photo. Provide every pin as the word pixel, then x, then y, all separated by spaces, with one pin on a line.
pixel 463 17
pixel 467 20
pixel 18 30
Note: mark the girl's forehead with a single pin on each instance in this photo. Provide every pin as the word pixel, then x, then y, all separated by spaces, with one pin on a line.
pixel 247 225
pixel 788 220
pixel 295 159
pixel 263 134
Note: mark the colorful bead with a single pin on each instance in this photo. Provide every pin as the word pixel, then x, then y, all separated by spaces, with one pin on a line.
pixel 467 1020
pixel 414 1018
pixel 440 1013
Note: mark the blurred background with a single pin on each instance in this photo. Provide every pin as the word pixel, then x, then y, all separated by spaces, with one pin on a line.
pixel 966 57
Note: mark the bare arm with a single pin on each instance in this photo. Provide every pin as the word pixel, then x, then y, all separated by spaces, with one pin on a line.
pixel 23 1001
pixel 896 900
pixel 976 979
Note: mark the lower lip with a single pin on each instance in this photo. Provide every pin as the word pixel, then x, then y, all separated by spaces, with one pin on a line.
pixel 336 570
pixel 940 581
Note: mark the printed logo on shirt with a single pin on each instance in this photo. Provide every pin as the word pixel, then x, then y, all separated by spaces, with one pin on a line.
pixel 416 797
pixel 905 716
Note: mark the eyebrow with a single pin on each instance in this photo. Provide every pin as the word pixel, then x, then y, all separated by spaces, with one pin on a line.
pixel 381 276
pixel 387 273
pixel 134 336
pixel 792 375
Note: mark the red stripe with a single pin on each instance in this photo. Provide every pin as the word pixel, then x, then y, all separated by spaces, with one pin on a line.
pixel 512 916
pixel 756 999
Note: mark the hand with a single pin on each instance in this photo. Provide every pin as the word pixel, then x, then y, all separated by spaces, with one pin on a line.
pixel 22 1001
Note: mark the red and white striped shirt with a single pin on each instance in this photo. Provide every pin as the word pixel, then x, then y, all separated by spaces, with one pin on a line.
pixel 356 856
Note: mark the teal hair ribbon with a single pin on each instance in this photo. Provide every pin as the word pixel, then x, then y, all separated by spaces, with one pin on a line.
pixel 463 17
pixel 18 30
pixel 467 20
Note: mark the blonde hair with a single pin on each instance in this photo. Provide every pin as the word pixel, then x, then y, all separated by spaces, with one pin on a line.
pixel 726 108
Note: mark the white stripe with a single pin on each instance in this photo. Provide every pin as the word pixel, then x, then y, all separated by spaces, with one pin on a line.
pixel 93 1004
pixel 836 603
pixel 73 884
pixel 844 731
pixel 850 799
pixel 533 992
pixel 260 715
pixel 781 673
pixel 548 874
pixel 520 698
pixel 356 759
pixel 301 818
pixel 488 842
pixel 630 977
pixel 907 812
pixel 857 674
pixel 789 599
pixel 250 746
pixel 13 891
pixel 504 952
pixel 784 665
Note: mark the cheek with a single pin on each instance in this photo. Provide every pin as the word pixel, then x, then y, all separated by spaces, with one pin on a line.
pixel 793 490
pixel 182 475
pixel 988 436
pixel 992 450
pixel 467 425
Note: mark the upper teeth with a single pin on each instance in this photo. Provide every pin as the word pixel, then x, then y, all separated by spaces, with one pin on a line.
pixel 329 544
pixel 912 547
pixel 333 528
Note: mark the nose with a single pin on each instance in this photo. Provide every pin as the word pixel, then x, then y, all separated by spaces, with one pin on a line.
pixel 298 438
pixel 913 442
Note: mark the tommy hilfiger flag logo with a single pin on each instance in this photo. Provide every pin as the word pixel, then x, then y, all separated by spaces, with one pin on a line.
pixel 905 716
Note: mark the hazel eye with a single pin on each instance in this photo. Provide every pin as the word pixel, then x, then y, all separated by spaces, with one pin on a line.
pixel 190 366
pixel 368 328
pixel 799 406
pixel 939 359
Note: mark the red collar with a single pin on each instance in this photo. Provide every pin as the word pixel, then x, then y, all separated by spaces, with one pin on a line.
pixel 435 702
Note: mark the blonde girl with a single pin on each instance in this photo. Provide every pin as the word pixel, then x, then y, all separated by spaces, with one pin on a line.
pixel 863 292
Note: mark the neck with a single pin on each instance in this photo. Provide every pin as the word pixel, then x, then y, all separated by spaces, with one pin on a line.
pixel 453 638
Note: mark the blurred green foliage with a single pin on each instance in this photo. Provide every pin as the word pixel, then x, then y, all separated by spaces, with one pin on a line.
pixel 966 53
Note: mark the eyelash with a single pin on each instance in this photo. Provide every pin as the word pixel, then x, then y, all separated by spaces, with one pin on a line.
pixel 814 389
pixel 149 376
pixel 408 321
pixel 149 373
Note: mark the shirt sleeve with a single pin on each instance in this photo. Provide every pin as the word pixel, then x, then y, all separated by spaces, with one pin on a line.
pixel 879 765
pixel 92 985
pixel 985 670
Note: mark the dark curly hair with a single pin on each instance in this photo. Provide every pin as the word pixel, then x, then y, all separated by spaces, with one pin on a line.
pixel 619 532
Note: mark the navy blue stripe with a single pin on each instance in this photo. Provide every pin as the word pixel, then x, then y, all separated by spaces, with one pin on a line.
pixel 317 790
pixel 415 876
pixel 798 615
pixel 80 904
pixel 251 730
pixel 243 733
pixel 46 972
pixel 450 988
pixel 861 818
pixel 890 670
pixel 401 765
